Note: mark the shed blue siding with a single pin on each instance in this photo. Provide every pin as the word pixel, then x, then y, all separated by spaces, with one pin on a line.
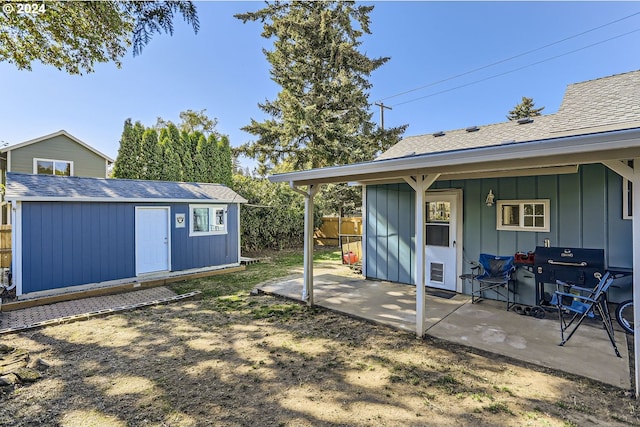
pixel 203 251
pixel 72 243
pixel 585 212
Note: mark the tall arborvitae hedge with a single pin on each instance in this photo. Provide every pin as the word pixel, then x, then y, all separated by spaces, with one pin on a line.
pixel 173 155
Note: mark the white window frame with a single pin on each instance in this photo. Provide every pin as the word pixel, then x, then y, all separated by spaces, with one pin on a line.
pixel 36 160
pixel 627 196
pixel 213 213
pixel 521 226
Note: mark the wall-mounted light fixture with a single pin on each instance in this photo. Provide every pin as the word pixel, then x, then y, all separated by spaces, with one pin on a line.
pixel 490 198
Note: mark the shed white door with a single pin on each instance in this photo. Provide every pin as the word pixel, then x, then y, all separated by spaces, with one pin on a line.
pixel 441 258
pixel 152 239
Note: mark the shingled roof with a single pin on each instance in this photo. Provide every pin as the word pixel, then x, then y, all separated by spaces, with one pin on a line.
pixel 48 187
pixel 600 105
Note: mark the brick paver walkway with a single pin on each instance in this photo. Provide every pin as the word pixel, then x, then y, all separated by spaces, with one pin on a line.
pixel 32 317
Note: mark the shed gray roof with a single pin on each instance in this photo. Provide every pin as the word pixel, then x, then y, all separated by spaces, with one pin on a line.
pixel 48 187
pixel 600 105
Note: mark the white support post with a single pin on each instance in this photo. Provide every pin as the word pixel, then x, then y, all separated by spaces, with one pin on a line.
pixel 421 238
pixel 421 184
pixel 636 271
pixel 307 289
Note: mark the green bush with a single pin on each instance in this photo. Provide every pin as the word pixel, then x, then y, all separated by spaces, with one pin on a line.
pixel 273 217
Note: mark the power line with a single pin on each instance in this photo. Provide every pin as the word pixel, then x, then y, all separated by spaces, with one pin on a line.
pixel 517 69
pixel 507 59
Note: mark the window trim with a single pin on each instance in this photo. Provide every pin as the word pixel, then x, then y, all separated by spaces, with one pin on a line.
pixel 37 159
pixel 627 196
pixel 213 209
pixel 521 226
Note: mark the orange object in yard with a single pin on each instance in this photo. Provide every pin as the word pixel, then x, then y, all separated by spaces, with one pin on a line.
pixel 350 258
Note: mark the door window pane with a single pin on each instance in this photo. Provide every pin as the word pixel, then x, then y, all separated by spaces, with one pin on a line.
pixel 437 235
pixel 438 212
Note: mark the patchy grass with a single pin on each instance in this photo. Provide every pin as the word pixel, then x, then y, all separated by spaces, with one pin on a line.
pixel 236 359
pixel 279 264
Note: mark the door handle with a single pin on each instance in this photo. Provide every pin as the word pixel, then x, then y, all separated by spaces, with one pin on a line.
pixel 454 243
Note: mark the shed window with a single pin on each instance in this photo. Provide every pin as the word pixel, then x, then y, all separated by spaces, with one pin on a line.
pixel 523 215
pixel 207 220
pixel 52 167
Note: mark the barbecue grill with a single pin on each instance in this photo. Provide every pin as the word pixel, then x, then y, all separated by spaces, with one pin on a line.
pixel 577 266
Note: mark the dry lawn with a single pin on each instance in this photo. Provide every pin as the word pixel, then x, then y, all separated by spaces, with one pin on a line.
pixel 241 360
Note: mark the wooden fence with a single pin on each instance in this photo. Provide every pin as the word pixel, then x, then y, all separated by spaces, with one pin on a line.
pixel 5 246
pixel 333 228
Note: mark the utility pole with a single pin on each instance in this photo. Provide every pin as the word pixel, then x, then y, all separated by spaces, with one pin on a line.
pixel 382 107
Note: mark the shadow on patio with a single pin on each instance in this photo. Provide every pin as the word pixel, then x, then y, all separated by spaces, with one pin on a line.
pixel 486 325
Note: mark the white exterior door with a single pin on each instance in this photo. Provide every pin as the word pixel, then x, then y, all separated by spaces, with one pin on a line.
pixel 441 246
pixel 152 239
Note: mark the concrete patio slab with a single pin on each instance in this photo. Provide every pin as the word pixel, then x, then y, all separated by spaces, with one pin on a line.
pixel 486 325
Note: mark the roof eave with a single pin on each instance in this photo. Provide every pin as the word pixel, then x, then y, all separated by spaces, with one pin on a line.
pixel 590 148
pixel 15 198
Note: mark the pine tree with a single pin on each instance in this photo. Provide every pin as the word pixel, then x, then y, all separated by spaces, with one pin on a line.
pixel 525 109
pixel 321 115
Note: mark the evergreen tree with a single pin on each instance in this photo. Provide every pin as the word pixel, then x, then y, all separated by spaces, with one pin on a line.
pixel 211 158
pixel 199 163
pixel 320 117
pixel 225 162
pixel 127 164
pixel 171 170
pixel 525 109
pixel 186 157
pixel 151 155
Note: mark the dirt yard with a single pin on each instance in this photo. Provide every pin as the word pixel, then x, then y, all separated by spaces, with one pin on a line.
pixel 242 360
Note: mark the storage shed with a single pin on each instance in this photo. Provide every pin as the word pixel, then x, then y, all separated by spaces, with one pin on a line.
pixel 72 231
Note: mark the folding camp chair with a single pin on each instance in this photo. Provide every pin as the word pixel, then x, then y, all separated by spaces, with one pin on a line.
pixel 496 276
pixel 575 304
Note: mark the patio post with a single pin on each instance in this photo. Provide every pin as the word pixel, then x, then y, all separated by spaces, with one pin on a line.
pixel 636 271
pixel 420 184
pixel 307 289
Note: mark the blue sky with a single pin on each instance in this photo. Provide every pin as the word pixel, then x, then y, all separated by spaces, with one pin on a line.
pixel 222 69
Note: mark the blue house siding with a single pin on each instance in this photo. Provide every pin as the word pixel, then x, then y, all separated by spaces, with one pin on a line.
pixel 73 243
pixel 585 212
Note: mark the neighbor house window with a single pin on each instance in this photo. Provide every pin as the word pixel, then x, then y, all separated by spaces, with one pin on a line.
pixel 523 215
pixel 52 167
pixel 627 196
pixel 207 220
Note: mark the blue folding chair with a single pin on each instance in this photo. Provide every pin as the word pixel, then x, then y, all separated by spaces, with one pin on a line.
pixel 575 304
pixel 496 276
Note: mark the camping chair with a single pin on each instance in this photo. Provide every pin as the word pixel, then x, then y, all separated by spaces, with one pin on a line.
pixel 576 303
pixel 496 276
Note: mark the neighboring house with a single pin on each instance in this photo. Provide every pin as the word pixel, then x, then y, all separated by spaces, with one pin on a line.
pixel 72 231
pixel 59 153
pixel 563 178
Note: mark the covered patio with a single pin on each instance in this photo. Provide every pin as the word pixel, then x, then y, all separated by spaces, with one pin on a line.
pixel 486 326
pixel 593 142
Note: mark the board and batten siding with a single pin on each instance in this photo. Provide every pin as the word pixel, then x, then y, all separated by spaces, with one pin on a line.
pixel 586 212
pixel 72 243
pixel 85 161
